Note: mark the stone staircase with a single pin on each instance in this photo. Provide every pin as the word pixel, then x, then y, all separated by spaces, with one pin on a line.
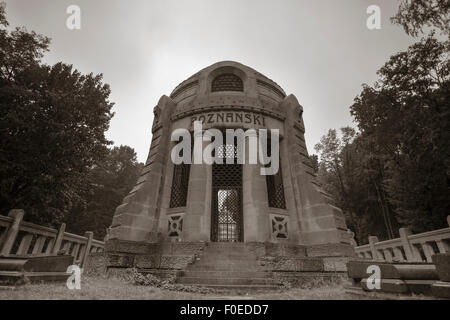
pixel 228 265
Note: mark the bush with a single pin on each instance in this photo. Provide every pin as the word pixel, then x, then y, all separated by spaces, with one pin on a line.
pixel 168 284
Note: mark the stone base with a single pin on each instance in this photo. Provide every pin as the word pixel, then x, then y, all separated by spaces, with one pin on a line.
pixel 177 255
pixel 130 254
pixel 442 263
pixel 377 295
pixel 399 278
pixel 357 269
pixel 401 286
pixel 441 289
pixel 96 264
pixel 16 270
pixel 205 263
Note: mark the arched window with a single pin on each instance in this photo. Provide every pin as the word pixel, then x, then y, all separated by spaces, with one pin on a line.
pixel 227 82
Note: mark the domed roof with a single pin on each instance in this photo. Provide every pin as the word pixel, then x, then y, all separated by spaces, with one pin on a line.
pixel 227 83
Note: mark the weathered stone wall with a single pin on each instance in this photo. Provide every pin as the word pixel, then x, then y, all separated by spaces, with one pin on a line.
pixel 288 263
pixel 130 254
pixel 177 256
pixel 96 264
pixel 177 262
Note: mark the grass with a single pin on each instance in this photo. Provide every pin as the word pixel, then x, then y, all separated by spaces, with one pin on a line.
pixel 97 288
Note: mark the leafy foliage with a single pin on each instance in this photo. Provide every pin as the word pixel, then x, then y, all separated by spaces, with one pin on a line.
pixel 107 184
pixel 407 115
pixel 148 279
pixel 3 20
pixel 349 171
pixel 396 170
pixel 414 15
pixel 52 124
pixel 54 159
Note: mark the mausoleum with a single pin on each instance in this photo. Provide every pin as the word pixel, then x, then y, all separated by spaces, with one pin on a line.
pixel 184 210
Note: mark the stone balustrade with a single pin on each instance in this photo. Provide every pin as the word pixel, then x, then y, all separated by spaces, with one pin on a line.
pixel 409 247
pixel 21 238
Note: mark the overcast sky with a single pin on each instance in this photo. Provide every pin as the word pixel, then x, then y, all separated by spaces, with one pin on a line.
pixel 319 50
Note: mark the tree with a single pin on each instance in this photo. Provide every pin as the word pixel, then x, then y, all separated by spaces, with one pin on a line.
pixel 406 115
pixel 353 176
pixel 3 20
pixel 108 183
pixel 52 124
pixel 314 159
pixel 414 15
pixel 396 170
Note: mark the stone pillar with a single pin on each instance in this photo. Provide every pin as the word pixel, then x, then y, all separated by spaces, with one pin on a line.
pixel 255 204
pixel 411 252
pixel 372 241
pixel 12 231
pixel 289 194
pixel 89 235
pixel 197 220
pixel 59 239
pixel 319 220
pixel 136 219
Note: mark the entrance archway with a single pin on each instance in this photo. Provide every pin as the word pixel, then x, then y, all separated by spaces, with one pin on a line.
pixel 226 204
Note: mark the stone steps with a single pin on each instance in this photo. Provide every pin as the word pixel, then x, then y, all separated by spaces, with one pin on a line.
pixel 226 281
pixel 226 274
pixel 227 261
pixel 235 246
pixel 227 256
pixel 224 267
pixel 228 266
pixel 237 287
pixel 241 258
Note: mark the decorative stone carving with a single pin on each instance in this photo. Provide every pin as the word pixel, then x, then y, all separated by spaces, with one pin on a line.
pixel 279 225
pixel 156 113
pixel 175 225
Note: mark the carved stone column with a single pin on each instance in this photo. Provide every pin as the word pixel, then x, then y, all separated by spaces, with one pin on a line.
pixel 255 204
pixel 197 221
pixel 136 219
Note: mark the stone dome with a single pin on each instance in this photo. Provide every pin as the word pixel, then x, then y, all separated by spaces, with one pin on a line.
pixel 227 84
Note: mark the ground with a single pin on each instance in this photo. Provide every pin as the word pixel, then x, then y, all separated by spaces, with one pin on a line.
pixel 96 288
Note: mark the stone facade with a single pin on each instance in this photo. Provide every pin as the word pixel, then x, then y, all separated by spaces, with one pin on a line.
pixel 227 95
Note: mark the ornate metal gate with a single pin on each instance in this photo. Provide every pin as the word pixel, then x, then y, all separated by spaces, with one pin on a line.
pixel 226 206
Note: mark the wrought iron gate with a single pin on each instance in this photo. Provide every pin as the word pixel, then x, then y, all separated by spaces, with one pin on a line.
pixel 226 206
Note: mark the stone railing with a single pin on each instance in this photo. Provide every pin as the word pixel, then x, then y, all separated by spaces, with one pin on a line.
pixel 409 247
pixel 20 238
